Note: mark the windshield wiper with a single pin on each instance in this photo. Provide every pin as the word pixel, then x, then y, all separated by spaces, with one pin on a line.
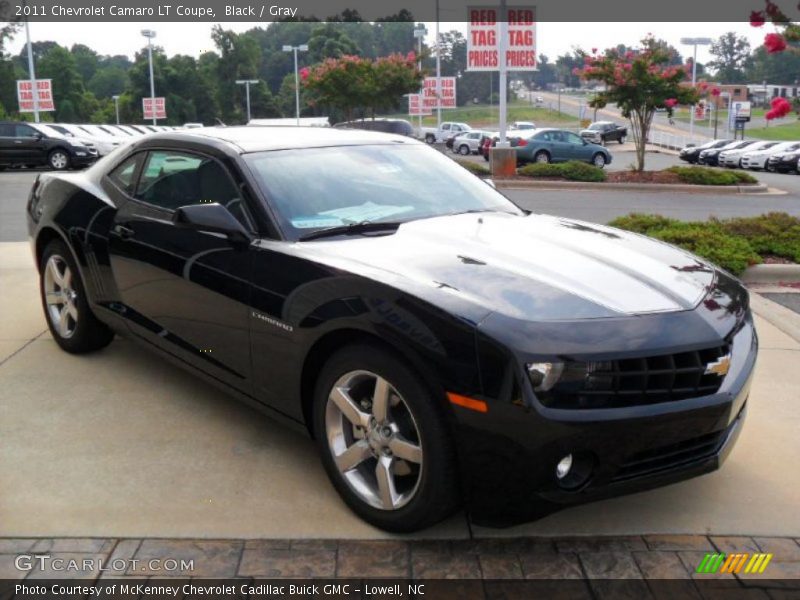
pixel 351 229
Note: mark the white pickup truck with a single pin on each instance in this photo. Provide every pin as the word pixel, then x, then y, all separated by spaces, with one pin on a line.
pixel 432 135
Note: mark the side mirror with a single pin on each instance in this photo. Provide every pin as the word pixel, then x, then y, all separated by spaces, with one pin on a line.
pixel 38 135
pixel 690 145
pixel 214 218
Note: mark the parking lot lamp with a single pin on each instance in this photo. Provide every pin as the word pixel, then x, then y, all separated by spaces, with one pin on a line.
pixel 150 34
pixel 695 42
pixel 246 83
pixel 116 106
pixel 32 72
pixel 295 49
pixel 419 34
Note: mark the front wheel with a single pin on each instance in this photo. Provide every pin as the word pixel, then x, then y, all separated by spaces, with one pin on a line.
pixel 58 159
pixel 542 157
pixel 463 150
pixel 384 441
pixel 72 323
pixel 599 160
pixel 429 139
pixel 623 139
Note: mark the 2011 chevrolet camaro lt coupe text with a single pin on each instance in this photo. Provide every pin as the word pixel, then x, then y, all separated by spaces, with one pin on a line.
pixel 443 347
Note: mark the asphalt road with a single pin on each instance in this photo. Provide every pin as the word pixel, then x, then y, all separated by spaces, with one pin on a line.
pixel 595 206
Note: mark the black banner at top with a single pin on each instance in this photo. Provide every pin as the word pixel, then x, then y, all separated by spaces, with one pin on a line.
pixel 257 11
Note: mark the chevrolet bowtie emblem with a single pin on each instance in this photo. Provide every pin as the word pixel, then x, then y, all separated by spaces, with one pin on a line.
pixel 719 367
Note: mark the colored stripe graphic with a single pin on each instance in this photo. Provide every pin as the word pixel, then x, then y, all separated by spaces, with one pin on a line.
pixel 734 563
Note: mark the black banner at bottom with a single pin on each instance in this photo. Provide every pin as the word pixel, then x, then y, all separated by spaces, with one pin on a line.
pixel 131 588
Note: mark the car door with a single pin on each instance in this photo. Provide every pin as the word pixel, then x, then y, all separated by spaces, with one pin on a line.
pixel 575 147
pixel 6 142
pixel 27 144
pixel 183 290
pixel 560 150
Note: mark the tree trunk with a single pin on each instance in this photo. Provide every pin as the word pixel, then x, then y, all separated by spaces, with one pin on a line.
pixel 640 126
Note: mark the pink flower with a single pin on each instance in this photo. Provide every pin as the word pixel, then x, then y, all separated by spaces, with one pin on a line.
pixel 411 56
pixel 304 73
pixel 576 71
pixel 772 9
pixel 715 92
pixel 670 102
pixel 774 43
pixel 757 18
pixel 771 114
pixel 703 86
pixel 594 50
pixel 627 66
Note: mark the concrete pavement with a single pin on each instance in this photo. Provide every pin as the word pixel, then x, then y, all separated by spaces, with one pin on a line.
pixel 119 444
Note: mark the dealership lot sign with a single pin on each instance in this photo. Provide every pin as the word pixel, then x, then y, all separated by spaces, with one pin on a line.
pixel 432 97
pixel 415 108
pixel 483 35
pixel 25 95
pixel 160 110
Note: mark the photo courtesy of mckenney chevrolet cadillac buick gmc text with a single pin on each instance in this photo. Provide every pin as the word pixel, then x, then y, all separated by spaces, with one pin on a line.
pixel 444 347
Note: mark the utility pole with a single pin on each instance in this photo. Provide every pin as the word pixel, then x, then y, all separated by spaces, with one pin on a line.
pixel 501 52
pixel 150 34
pixel 301 48
pixel 697 41
pixel 116 106
pixel 438 73
pixel 32 72
pixel 246 83
pixel 419 34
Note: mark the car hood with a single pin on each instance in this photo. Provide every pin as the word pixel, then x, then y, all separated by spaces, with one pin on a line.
pixel 539 268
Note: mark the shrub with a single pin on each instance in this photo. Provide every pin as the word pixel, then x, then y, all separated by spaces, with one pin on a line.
pixel 732 244
pixel 572 170
pixel 706 176
pixel 476 168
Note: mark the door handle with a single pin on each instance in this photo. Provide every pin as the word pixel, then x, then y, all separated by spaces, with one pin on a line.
pixel 124 232
pixel 17 141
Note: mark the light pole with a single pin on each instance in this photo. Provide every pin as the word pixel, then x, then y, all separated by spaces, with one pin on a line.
pixel 246 83
pixel 150 34
pixel 301 48
pixel 116 106
pixel 438 73
pixel 419 34
pixel 695 42
pixel 32 72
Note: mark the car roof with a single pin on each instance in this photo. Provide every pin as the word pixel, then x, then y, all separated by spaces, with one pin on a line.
pixel 258 138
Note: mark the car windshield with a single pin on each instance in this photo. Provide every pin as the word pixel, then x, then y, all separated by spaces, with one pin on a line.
pixel 49 131
pixel 318 188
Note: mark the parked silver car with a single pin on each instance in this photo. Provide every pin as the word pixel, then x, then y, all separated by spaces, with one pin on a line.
pixel 468 143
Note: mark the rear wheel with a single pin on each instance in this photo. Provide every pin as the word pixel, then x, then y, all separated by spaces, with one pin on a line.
pixel 72 323
pixel 429 139
pixel 542 157
pixel 463 149
pixel 599 160
pixel 383 440
pixel 623 139
pixel 58 159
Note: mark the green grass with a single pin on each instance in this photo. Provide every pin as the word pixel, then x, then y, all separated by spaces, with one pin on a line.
pixel 788 132
pixel 483 115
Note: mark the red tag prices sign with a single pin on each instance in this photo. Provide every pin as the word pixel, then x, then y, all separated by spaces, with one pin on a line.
pixel 415 107
pixel 25 95
pixel 483 36
pixel 441 98
pixel 159 111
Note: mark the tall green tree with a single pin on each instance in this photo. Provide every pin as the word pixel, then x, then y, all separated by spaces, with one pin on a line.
pixel 731 53
pixel 58 64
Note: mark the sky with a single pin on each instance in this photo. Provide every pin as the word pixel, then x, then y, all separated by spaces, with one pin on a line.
pixel 553 38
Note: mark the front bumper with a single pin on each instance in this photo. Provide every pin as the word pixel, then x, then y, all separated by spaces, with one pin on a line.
pixel 509 462
pixel 782 165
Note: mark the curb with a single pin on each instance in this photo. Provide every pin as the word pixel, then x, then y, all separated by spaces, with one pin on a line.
pixel 507 183
pixel 771 274
pixel 781 317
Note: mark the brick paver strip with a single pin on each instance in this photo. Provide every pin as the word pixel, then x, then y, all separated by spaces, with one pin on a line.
pixel 603 560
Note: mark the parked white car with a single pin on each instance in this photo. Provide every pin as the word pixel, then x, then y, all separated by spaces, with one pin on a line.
pixel 757 159
pixel 432 135
pixel 733 158
pixel 468 143
pixel 101 142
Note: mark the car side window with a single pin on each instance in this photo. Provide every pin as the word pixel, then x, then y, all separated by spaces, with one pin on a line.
pixel 123 175
pixel 572 138
pixel 172 179
pixel 6 130
pixel 544 136
pixel 446 127
pixel 24 131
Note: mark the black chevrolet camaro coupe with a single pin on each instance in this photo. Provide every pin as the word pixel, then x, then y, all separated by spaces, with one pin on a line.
pixel 443 347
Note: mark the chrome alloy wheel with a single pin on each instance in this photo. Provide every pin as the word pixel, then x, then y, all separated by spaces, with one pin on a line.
pixel 60 297
pixel 374 440
pixel 58 160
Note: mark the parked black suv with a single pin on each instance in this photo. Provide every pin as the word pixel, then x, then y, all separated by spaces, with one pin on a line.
pixel 30 145
pixel 398 126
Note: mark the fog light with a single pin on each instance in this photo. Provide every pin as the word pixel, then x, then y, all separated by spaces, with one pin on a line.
pixel 563 467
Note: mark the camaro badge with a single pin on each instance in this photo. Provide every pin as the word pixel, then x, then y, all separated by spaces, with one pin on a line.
pixel 719 367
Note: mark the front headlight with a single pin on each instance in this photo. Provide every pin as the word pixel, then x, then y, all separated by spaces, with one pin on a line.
pixel 545 375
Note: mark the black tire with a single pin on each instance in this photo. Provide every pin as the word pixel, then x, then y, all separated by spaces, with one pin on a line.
pixel 430 138
pixel 436 494
pixel 597 158
pixel 541 157
pixel 622 139
pixel 464 150
pixel 58 159
pixel 89 334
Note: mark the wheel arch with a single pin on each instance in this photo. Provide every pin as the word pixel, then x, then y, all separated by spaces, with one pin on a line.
pixel 44 237
pixel 331 342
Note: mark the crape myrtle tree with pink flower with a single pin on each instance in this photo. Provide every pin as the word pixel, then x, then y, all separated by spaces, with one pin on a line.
pixel 786 37
pixel 351 82
pixel 639 82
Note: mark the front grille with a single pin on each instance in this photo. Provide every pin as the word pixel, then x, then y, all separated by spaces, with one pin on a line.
pixel 651 462
pixel 637 381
